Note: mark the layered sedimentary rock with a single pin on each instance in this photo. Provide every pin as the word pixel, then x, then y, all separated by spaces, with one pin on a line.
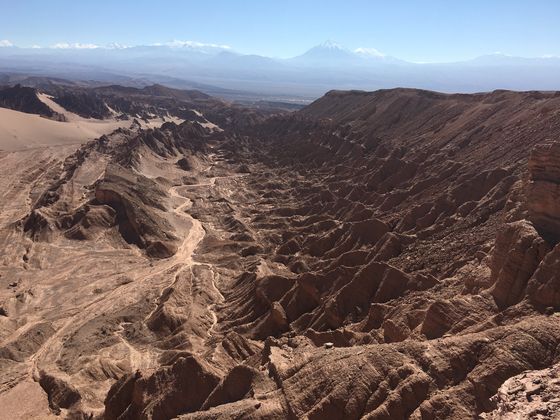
pixel 179 388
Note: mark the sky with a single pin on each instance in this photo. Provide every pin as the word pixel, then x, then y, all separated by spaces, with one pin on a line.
pixel 413 30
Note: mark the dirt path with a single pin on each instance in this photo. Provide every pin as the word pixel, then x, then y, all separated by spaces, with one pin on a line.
pixel 196 232
pixel 186 250
pixel 212 307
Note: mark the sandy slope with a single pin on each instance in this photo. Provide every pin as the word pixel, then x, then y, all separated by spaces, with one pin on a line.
pixel 48 100
pixel 20 131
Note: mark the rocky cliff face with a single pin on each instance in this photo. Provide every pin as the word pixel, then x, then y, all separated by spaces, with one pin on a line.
pixel 518 251
pixel 544 212
pixel 525 253
pixel 543 196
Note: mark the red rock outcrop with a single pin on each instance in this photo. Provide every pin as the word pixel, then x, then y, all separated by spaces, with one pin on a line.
pixel 518 251
pixel 543 196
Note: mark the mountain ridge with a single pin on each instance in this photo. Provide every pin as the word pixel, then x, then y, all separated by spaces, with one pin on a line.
pixel 309 75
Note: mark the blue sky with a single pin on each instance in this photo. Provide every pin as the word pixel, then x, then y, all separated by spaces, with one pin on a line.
pixel 416 30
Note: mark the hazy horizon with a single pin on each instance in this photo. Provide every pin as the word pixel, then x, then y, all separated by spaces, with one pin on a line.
pixel 415 31
pixel 290 51
pixel 198 44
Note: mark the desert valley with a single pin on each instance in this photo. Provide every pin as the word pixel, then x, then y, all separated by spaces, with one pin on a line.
pixel 170 255
pixel 314 210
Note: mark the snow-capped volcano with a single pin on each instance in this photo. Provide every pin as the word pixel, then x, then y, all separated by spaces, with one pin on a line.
pixel 331 53
pixel 328 53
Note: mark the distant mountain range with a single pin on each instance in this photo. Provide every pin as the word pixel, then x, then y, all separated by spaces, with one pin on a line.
pixel 218 69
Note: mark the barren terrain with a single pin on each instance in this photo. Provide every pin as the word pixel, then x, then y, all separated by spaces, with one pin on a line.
pixel 383 255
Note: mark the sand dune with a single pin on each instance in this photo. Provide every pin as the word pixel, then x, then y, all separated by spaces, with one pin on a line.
pixel 20 131
pixel 48 100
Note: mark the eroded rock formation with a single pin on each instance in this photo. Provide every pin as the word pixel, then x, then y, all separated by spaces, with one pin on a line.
pixel 378 255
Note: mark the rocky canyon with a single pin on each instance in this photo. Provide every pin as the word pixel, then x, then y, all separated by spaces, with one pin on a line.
pixel 382 255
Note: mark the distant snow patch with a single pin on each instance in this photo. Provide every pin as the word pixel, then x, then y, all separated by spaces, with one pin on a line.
pixel 74 46
pixel 190 44
pixel 371 52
